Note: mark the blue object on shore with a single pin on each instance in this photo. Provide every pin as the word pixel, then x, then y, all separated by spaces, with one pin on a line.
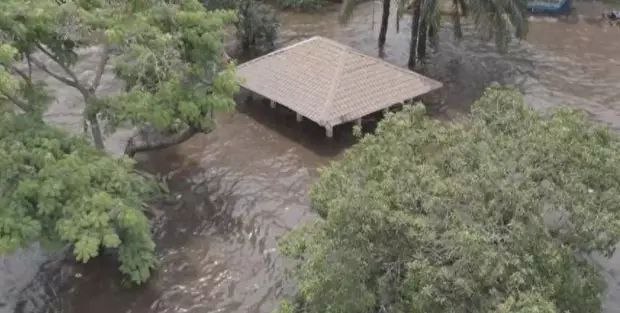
pixel 549 6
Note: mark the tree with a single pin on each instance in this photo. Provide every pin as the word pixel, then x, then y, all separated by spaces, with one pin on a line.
pixel 304 5
pixel 57 189
pixel 493 213
pixel 256 24
pixel 493 20
pixel 347 10
pixel 168 53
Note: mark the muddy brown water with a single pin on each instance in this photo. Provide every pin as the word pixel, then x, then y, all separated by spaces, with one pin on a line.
pixel 238 189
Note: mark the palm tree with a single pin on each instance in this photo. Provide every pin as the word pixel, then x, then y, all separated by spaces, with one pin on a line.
pixel 492 18
pixel 347 10
pixel 425 22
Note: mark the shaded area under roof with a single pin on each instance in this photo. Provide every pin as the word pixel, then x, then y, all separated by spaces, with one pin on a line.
pixel 330 83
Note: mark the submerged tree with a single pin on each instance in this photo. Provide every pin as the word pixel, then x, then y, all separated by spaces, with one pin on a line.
pixel 494 20
pixel 348 7
pixel 498 21
pixel 168 53
pixel 495 213
pixel 257 26
pixel 58 190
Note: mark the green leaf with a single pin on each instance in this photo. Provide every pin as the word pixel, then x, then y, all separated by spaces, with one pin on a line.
pixel 111 240
pixel 59 190
pixel 491 213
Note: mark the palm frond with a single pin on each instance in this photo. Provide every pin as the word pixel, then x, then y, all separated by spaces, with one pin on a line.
pixel 430 11
pixel 490 13
pixel 430 22
pixel 485 15
pixel 516 11
pixel 434 24
pixel 499 25
pixel 462 6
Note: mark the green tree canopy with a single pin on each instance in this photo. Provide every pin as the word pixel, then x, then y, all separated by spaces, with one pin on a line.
pixel 494 213
pixel 58 189
pixel 256 24
pixel 168 53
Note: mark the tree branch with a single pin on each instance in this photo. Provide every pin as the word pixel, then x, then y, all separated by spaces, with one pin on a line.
pixel 23 105
pixel 20 73
pixel 29 66
pixel 60 63
pixel 100 68
pixel 62 79
pixel 151 139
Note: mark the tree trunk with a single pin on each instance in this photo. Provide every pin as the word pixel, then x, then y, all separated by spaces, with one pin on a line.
pixel 422 39
pixel 413 45
pixel 149 138
pixel 384 23
pixel 96 132
pixel 458 31
pixel 91 115
pixel 433 38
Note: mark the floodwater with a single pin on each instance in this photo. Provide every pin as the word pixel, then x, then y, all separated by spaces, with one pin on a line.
pixel 235 191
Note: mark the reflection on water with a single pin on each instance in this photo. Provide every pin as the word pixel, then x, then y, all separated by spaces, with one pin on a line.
pixel 237 190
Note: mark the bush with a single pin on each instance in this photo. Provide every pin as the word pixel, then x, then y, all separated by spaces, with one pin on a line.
pixel 491 214
pixel 301 4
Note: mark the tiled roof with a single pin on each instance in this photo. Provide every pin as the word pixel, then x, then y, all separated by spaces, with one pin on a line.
pixel 331 83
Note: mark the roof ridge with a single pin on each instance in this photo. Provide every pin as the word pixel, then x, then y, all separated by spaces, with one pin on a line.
pixel 284 49
pixel 339 45
pixel 355 51
pixel 335 83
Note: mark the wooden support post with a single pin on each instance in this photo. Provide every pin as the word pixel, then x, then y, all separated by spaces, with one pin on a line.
pixel 329 131
pixel 358 122
pixel 272 104
pixel 299 117
pixel 250 97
